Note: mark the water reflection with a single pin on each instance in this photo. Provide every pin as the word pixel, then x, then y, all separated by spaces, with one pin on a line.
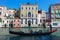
pixel 46 37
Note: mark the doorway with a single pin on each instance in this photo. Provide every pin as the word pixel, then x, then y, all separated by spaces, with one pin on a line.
pixel 29 23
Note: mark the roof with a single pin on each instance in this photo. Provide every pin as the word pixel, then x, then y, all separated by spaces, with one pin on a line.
pixel 55 4
pixel 28 3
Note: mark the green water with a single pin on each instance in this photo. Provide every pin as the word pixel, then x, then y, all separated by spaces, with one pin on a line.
pixel 53 36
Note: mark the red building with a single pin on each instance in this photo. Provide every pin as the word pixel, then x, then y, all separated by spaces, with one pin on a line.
pixel 16 22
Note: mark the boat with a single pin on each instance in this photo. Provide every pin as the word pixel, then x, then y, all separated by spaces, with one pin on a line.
pixel 33 33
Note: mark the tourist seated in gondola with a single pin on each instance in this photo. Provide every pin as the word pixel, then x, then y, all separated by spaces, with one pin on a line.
pixel 40 31
pixel 31 31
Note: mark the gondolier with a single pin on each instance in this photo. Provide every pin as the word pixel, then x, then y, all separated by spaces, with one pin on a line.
pixel 50 27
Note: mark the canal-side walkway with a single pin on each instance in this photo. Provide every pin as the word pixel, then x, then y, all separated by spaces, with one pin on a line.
pixel 4 31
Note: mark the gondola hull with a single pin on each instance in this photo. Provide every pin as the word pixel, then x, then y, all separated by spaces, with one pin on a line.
pixel 33 33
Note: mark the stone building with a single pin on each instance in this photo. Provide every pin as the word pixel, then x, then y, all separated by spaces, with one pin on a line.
pixel 54 11
pixel 6 16
pixel 28 15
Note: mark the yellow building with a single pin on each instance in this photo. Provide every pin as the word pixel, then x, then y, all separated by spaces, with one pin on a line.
pixel 28 15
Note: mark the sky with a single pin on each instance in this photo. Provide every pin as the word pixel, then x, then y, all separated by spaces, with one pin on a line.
pixel 42 4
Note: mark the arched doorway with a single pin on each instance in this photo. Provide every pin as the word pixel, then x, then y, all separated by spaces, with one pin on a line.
pixel 29 22
pixel 5 25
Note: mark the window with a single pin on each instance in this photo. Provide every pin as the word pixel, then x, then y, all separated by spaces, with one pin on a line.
pixel 18 20
pixel 36 21
pixel 32 21
pixel 25 21
pixel 22 8
pixel 26 8
pixel 52 11
pixel 14 20
pixel 56 10
pixel 40 20
pixel 32 8
pixel 7 21
pixel 5 15
pixel 14 24
pixel 9 14
pixel 36 15
pixel 32 15
pixel 0 13
pixel 3 21
pixel 29 14
pixel 55 24
pixel 21 21
pixel 22 15
pixel 18 24
pixel 36 8
pixel 57 15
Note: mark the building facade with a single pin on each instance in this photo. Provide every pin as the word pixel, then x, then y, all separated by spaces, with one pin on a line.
pixel 28 15
pixel 3 10
pixel 5 16
pixel 54 10
pixel 16 23
pixel 41 17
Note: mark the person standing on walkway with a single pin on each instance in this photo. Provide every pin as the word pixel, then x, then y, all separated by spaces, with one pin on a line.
pixel 50 27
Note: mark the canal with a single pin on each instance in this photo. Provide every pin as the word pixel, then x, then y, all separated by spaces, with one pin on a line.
pixel 4 35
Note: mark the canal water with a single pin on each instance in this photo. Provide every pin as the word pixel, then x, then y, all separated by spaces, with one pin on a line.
pixel 53 36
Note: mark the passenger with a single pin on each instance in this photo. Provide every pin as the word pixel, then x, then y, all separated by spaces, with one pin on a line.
pixel 40 31
pixel 31 31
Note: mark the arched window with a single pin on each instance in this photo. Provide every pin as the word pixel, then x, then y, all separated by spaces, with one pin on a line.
pixel 25 21
pixel 21 21
pixel 29 14
pixel 32 8
pixel 32 21
pixel 32 15
pixel 36 8
pixel 36 15
pixel 36 21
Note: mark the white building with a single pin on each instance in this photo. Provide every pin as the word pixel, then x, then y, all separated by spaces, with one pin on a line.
pixel 28 15
pixel 5 15
pixel 41 17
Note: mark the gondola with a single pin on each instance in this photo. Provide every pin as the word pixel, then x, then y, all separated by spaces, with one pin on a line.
pixel 33 33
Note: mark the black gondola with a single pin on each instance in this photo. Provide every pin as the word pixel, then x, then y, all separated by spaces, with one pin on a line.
pixel 33 33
